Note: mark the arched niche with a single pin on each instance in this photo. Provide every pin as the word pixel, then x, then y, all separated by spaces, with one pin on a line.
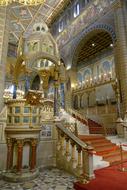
pixel 26 155
pixel 35 85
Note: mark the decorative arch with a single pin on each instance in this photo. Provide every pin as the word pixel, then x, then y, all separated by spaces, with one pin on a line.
pixel 87 33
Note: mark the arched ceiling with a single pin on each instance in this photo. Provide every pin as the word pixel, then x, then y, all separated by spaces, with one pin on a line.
pixel 22 16
pixel 95 44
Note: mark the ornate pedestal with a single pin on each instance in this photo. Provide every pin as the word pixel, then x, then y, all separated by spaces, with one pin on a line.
pixel 22 133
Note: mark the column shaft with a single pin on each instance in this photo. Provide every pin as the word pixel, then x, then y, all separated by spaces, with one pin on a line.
pixel 9 154
pixel 19 156
pixel 56 108
pixel 33 155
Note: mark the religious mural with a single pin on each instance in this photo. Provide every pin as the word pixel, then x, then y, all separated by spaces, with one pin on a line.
pixel 81 22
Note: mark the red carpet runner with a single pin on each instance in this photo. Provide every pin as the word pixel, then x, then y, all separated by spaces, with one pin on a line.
pixel 109 178
pixel 105 148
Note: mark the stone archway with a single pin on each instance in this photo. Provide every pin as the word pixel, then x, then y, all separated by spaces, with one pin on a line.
pixel 87 34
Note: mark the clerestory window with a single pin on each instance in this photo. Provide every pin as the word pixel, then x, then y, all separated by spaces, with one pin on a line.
pixel 60 29
pixel 76 9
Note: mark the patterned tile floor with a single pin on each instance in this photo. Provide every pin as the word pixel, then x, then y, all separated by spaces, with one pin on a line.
pixel 49 179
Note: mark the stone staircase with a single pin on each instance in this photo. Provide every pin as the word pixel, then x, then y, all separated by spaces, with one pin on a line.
pixel 94 127
pixel 109 151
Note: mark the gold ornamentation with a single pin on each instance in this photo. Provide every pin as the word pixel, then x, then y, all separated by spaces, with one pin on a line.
pixel 24 2
pixel 45 75
pixel 33 97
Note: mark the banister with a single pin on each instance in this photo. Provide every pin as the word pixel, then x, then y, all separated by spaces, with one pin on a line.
pixel 72 111
pixel 74 155
pixel 73 137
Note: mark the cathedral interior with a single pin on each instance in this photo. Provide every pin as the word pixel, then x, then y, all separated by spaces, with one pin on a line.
pixel 63 97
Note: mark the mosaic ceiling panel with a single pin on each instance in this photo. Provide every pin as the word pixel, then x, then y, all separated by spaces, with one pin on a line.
pixel 23 16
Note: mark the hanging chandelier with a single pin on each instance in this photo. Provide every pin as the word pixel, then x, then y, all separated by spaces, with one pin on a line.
pixel 23 2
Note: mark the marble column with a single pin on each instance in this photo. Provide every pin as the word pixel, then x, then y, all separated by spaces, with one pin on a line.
pixel 56 105
pixel 4 37
pixel 121 50
pixel 79 161
pixel 70 85
pixel 87 158
pixel 9 154
pixel 33 154
pixel 27 83
pixel 15 91
pixel 19 155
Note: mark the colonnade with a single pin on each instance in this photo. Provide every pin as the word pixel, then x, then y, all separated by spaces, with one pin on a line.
pixel 20 144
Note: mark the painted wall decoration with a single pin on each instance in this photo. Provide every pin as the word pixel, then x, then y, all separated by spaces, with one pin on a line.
pixel 104 67
pixel 87 74
pixel 22 12
pixel 80 77
pixel 92 11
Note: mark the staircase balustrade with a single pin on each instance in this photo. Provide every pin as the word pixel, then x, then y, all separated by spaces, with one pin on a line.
pixel 72 127
pixel 94 127
pixel 73 155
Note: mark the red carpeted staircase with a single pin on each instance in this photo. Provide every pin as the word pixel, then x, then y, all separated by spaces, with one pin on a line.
pixel 94 127
pixel 105 148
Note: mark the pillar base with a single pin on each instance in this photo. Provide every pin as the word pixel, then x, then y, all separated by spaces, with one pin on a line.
pixel 20 177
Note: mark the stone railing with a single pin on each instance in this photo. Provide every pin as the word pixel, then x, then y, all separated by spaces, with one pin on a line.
pixel 94 127
pixel 71 127
pixel 77 115
pixel 74 155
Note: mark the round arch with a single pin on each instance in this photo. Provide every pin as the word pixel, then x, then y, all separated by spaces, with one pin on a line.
pixel 86 35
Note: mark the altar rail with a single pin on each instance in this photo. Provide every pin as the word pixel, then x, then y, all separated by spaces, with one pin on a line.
pixel 74 155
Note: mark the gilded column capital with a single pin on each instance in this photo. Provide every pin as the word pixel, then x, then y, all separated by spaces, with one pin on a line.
pixel 34 142
pixel 9 141
pixel 20 142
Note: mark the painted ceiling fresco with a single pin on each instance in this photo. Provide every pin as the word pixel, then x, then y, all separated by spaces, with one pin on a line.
pixel 23 16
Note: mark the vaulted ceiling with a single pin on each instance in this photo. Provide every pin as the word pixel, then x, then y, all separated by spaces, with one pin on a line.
pixel 22 16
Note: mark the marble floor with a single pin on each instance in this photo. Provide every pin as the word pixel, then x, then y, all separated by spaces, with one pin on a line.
pixel 49 179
